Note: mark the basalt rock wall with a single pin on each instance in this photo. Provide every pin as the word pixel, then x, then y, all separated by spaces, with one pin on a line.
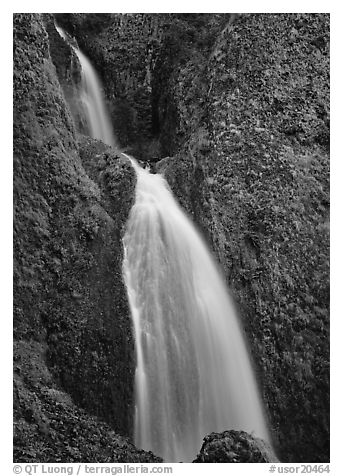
pixel 240 116
pixel 73 345
pixel 252 169
pixel 236 110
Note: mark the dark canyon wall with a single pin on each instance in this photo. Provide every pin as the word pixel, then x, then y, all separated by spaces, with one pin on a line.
pixel 237 106
pixel 252 168
pixel 240 106
pixel 73 347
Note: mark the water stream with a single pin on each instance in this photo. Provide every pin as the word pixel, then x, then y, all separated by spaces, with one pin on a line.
pixel 193 373
pixel 91 96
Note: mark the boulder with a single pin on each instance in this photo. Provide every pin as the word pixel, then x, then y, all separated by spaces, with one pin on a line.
pixel 235 447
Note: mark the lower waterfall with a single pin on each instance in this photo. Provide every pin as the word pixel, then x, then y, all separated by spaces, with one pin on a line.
pixel 193 373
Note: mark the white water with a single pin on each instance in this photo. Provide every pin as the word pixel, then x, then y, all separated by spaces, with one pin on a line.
pixel 98 120
pixel 193 372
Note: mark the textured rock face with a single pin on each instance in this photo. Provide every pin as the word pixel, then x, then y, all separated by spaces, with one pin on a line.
pixel 241 106
pixel 49 427
pixel 123 49
pixel 234 447
pixel 72 330
pixel 254 174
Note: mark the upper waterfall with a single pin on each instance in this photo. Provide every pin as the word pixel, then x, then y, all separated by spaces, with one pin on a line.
pixel 92 99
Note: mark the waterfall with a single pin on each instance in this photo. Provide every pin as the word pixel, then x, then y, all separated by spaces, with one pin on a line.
pixel 193 373
pixel 93 103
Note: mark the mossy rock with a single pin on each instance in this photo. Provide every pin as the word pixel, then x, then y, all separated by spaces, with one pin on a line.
pixel 235 447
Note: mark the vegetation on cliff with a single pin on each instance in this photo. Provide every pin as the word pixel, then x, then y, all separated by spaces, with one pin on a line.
pixel 72 331
pixel 255 170
pixel 252 168
pixel 238 108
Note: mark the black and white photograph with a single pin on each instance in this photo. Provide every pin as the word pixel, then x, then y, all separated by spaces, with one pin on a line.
pixel 171 241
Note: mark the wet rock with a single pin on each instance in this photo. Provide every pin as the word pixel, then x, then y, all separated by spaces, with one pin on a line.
pixel 235 447
pixel 72 327
pixel 49 427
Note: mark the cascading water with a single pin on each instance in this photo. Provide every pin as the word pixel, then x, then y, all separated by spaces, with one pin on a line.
pixel 193 373
pixel 93 102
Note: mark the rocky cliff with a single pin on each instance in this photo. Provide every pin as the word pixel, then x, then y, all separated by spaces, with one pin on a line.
pixel 252 168
pixel 237 106
pixel 73 347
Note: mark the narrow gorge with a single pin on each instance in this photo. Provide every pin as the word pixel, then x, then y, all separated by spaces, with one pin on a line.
pixel 130 343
